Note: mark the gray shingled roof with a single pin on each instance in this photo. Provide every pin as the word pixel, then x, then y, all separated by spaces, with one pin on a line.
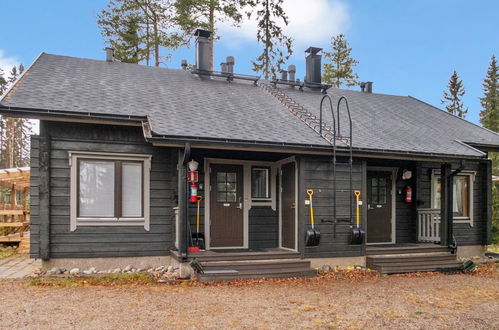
pixel 178 103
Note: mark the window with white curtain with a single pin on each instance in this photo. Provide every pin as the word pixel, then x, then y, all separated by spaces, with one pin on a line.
pixel 109 190
pixel 462 187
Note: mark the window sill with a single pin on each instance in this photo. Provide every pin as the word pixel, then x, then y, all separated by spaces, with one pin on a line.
pixel 97 222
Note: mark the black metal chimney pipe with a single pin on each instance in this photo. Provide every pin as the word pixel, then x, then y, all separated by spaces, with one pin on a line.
pixel 230 64
pixel 292 72
pixel 313 65
pixel 109 54
pixel 203 49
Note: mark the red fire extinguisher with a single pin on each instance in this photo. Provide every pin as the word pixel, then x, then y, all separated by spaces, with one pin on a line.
pixel 408 194
pixel 193 192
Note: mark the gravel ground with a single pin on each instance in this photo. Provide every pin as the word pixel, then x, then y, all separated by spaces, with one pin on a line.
pixel 344 300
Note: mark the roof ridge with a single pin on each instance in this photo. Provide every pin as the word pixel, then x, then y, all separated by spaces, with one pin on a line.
pixel 21 76
pixel 453 115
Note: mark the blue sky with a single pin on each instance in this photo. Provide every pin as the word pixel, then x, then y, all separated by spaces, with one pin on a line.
pixel 404 47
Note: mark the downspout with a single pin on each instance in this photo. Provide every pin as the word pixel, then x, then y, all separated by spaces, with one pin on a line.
pixel 183 157
pixel 446 204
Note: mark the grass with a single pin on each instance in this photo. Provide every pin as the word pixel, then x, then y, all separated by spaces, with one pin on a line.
pixel 7 251
pixel 493 248
pixel 106 280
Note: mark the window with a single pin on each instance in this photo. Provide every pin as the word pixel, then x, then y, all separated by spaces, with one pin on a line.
pixel 109 190
pixel 260 183
pixel 378 191
pixel 226 187
pixel 462 192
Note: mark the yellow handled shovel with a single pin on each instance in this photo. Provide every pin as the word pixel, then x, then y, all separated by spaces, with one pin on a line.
pixel 312 236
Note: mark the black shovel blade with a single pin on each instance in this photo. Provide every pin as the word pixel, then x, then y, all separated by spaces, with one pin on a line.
pixel 198 240
pixel 357 236
pixel 312 237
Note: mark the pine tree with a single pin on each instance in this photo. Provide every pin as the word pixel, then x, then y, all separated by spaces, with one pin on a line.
pixel 14 133
pixel 193 14
pixel 277 47
pixel 489 115
pixel 338 70
pixel 489 118
pixel 138 28
pixel 452 98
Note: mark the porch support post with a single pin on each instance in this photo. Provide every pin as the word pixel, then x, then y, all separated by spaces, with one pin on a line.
pixel 445 205
pixel 486 172
pixel 183 157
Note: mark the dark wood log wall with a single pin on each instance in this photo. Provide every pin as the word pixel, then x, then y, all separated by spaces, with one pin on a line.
pixel 101 241
pixel 316 173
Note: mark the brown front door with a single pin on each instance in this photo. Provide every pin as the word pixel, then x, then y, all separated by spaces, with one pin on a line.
pixel 226 206
pixel 379 207
pixel 288 218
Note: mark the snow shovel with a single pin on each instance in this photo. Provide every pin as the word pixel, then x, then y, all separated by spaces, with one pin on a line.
pixel 197 237
pixel 357 233
pixel 312 236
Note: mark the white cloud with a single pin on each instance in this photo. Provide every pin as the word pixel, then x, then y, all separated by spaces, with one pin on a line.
pixel 311 23
pixel 6 63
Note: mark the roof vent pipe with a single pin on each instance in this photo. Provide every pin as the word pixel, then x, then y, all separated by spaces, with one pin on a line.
pixel 284 75
pixel 230 64
pixel 223 67
pixel 313 65
pixel 109 54
pixel 203 49
pixel 183 64
pixel 292 71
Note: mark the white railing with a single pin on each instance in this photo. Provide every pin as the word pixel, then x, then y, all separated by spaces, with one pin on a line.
pixel 429 225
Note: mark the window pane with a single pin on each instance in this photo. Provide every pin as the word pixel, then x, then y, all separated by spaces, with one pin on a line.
pixel 231 177
pixel 461 198
pixel 260 183
pixel 131 190
pixel 231 197
pixel 96 188
pixel 221 197
pixel 221 176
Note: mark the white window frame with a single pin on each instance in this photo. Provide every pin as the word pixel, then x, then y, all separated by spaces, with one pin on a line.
pixel 76 221
pixel 471 175
pixel 267 170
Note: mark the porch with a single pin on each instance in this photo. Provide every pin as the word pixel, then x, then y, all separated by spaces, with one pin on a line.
pixel 408 258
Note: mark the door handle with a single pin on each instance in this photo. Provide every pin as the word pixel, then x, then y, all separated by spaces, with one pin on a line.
pixel 293 205
pixel 240 204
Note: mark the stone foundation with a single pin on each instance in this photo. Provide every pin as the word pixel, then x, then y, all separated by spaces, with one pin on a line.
pixel 107 263
pixel 470 251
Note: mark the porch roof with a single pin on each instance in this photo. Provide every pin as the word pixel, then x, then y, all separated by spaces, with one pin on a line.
pixel 178 104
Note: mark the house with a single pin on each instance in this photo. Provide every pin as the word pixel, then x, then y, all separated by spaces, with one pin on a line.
pixel 109 170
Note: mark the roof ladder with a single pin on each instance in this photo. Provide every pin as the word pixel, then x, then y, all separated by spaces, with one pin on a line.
pixel 299 111
pixel 346 139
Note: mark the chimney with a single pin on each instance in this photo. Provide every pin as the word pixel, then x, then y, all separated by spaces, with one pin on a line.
pixel 366 87
pixel 109 54
pixel 183 64
pixel 292 71
pixel 223 67
pixel 230 64
pixel 203 49
pixel 284 75
pixel 313 65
